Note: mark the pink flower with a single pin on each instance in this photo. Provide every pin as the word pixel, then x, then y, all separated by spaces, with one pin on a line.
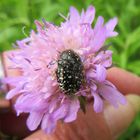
pixel 62 66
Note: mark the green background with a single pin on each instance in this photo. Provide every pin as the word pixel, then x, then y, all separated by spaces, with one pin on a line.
pixel 19 15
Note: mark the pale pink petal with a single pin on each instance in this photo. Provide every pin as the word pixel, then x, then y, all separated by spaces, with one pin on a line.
pixel 110 25
pixel 60 112
pixel 48 124
pixel 34 120
pixel 31 102
pixel 100 73
pixel 99 35
pixel 13 93
pixel 110 84
pixel 111 95
pixel 89 15
pixel 104 58
pixel 98 102
pixel 38 25
pixel 73 109
pixel 74 15
pixel 107 59
pixel 91 73
pixel 99 23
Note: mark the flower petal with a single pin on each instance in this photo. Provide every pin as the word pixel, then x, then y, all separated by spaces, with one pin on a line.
pixel 110 25
pixel 74 15
pixel 13 92
pixel 98 103
pixel 30 102
pixel 104 58
pixel 100 35
pixel 112 95
pixel 73 109
pixel 60 112
pixel 100 73
pixel 99 23
pixel 48 124
pixel 34 120
pixel 89 15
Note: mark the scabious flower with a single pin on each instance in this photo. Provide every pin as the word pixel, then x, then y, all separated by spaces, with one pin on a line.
pixel 62 67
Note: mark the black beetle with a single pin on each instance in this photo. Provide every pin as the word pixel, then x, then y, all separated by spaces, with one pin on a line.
pixel 69 72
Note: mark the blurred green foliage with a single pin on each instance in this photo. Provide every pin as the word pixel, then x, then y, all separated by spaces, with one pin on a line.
pixel 16 16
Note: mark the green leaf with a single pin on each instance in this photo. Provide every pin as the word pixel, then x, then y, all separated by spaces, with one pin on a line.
pixel 82 101
pixel 134 66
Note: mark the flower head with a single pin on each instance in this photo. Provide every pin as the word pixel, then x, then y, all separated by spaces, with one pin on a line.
pixel 62 66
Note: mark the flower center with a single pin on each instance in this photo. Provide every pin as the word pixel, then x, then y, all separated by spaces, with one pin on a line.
pixel 69 72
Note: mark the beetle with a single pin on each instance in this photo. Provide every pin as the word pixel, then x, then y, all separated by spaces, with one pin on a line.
pixel 69 72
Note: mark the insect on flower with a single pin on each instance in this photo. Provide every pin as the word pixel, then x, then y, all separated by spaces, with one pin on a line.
pixel 69 72
pixel 63 66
